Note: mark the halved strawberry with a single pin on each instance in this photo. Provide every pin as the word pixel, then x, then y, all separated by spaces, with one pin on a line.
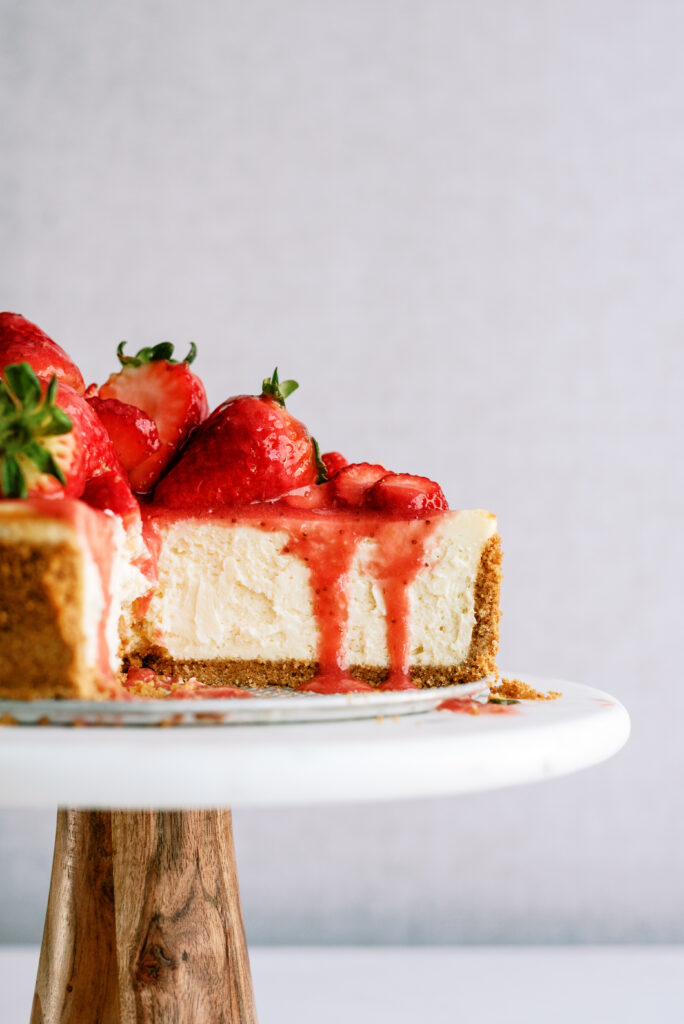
pixel 106 484
pixel 333 462
pixel 40 452
pixel 404 494
pixel 351 482
pixel 250 449
pixel 309 497
pixel 134 435
pixel 111 491
pixel 24 342
pixel 169 393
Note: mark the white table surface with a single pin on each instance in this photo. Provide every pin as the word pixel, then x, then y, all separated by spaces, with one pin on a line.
pixel 563 985
pixel 391 757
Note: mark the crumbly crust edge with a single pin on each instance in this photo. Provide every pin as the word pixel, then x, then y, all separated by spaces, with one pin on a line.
pixel 41 643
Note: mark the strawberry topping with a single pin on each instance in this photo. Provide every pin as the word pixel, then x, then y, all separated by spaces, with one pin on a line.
pixel 135 438
pixel 111 490
pixel 53 444
pixel 333 462
pixel 24 342
pixel 40 453
pixel 351 483
pixel 169 393
pixel 250 449
pixel 405 494
pixel 311 497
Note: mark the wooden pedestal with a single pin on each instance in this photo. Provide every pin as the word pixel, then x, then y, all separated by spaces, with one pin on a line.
pixel 143 923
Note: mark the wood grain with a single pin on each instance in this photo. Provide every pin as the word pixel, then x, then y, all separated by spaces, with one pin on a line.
pixel 143 924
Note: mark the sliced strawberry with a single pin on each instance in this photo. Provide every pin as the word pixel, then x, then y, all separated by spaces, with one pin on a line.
pixel 134 435
pixel 250 449
pixel 333 462
pixel 111 491
pixel 405 494
pixel 310 497
pixel 169 393
pixel 24 342
pixel 351 482
pixel 40 452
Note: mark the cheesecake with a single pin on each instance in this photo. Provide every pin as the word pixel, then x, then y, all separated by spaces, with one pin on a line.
pixel 138 532
pixel 324 600
pixel 70 576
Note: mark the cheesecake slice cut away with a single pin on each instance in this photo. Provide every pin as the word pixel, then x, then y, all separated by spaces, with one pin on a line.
pixel 68 583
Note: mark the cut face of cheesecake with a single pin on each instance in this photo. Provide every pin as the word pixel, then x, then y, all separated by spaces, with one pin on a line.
pixel 268 596
pixel 68 582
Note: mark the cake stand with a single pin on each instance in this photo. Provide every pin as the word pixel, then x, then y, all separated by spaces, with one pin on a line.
pixel 143 923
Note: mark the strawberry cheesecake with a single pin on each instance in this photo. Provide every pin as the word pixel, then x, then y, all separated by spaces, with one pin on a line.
pixel 141 537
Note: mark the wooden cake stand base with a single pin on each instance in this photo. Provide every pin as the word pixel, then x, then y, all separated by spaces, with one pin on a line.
pixel 143 922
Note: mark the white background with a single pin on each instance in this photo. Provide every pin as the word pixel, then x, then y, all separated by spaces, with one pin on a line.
pixel 460 227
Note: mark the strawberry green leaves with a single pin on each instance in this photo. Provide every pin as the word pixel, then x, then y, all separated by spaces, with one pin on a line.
pixel 278 390
pixel 27 418
pixel 321 468
pixel 163 352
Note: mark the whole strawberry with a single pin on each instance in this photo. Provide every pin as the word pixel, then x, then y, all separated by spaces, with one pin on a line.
pixel 40 452
pixel 24 342
pixel 52 444
pixel 250 449
pixel 150 408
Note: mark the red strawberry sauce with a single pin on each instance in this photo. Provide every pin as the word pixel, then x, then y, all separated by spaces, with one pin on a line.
pixel 327 539
pixel 184 688
pixel 467 706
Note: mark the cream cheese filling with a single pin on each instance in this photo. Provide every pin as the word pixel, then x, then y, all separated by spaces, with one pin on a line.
pixel 230 592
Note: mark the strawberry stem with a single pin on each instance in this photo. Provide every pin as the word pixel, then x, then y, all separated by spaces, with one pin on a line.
pixel 27 417
pixel 277 389
pixel 322 477
pixel 154 354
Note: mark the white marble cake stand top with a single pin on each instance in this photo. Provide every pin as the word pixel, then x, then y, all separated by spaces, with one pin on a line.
pixel 429 754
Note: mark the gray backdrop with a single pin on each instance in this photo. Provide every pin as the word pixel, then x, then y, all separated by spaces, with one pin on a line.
pixel 459 225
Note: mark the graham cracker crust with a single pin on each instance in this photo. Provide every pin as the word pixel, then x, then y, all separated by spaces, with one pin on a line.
pixel 41 597
pixel 480 661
